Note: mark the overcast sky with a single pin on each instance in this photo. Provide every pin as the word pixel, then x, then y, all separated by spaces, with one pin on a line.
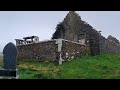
pixel 19 24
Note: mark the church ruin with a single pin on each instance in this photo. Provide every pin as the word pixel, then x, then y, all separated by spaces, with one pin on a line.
pixel 73 38
pixel 73 28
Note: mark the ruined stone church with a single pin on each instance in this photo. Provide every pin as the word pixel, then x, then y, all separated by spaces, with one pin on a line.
pixel 73 38
pixel 73 28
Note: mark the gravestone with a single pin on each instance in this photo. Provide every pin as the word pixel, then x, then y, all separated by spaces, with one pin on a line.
pixel 9 56
pixel 9 61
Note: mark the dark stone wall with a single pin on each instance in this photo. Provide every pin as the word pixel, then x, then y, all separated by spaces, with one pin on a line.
pixel 111 38
pixel 92 36
pixel 42 51
pixel 109 46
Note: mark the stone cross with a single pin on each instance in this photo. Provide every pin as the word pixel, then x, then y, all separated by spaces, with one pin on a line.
pixel 9 61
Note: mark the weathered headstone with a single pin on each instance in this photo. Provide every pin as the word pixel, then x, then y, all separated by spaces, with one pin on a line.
pixel 9 56
pixel 9 60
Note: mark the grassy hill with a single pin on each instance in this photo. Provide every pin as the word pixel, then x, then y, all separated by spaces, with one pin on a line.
pixel 96 67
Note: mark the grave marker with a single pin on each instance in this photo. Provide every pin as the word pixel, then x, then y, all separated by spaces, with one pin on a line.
pixel 9 61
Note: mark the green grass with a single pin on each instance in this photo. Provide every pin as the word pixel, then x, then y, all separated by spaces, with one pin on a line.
pixel 105 66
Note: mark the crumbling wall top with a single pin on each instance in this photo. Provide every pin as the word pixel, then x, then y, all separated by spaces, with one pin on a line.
pixel 111 38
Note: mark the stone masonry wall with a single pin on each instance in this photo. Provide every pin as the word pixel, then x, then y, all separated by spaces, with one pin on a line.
pixel 108 46
pixel 72 50
pixel 42 51
pixel 48 51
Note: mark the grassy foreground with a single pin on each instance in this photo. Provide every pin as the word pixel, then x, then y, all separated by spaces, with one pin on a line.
pixel 96 67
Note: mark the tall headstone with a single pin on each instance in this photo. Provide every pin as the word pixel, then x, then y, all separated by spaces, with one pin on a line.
pixel 9 56
pixel 9 61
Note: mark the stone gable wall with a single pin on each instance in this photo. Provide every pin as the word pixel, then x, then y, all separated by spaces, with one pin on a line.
pixel 73 28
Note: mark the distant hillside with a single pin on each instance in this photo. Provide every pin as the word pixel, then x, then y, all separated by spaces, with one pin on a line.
pixel 96 67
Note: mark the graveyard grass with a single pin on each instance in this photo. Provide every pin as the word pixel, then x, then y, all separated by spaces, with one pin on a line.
pixel 105 66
